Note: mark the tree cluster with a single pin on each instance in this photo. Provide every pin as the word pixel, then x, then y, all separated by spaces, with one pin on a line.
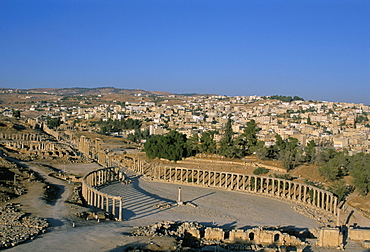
pixel 139 135
pixel 171 146
pixel 117 125
pixel 53 122
pixel 239 146
pixel 285 98
pixel 335 165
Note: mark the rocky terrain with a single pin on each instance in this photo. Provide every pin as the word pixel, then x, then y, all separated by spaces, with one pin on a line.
pixel 16 227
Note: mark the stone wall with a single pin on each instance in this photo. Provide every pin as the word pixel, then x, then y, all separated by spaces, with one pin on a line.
pixel 264 237
pixel 359 234
pixel 330 237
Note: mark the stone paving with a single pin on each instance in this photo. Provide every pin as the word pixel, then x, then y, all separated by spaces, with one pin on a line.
pixel 141 199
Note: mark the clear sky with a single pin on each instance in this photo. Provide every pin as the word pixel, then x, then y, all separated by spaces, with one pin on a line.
pixel 317 50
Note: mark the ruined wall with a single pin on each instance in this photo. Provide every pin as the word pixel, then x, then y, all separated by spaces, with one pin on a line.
pixel 264 237
pixel 50 131
pixel 216 234
pixel 330 237
pixel 359 234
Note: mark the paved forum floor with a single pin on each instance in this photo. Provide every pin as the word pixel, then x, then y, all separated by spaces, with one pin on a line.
pixel 217 206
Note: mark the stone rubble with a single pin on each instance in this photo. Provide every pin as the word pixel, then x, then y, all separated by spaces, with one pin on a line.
pixel 16 227
pixel 94 215
pixel 162 206
pixel 76 198
pixel 166 228
pixel 320 216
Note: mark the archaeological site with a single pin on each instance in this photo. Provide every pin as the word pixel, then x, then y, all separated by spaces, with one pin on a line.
pixel 72 184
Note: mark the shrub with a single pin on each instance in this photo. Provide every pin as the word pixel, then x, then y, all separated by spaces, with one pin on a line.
pixel 283 176
pixel 260 170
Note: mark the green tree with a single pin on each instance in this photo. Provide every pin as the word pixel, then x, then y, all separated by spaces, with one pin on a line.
pixel 16 113
pixel 310 151
pixel 336 167
pixel 53 122
pixel 288 152
pixel 226 143
pixel 207 142
pixel 359 168
pixel 171 146
pixel 262 152
pixel 260 170
pixel 139 135
pixel 340 189
pixel 192 145
pixel 248 139
pixel 280 143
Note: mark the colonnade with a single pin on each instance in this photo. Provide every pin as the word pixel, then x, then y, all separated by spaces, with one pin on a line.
pixel 32 146
pixel 20 136
pixel 90 190
pixel 84 145
pixel 274 187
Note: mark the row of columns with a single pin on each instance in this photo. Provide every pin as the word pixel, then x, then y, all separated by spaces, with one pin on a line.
pixel 84 145
pixel 24 137
pixel 32 146
pixel 274 187
pixel 90 190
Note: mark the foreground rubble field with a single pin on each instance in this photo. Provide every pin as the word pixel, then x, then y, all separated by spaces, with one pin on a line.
pixel 16 227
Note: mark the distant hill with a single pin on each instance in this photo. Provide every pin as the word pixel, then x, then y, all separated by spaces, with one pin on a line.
pixel 89 91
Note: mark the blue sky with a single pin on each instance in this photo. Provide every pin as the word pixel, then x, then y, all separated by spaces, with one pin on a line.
pixel 314 49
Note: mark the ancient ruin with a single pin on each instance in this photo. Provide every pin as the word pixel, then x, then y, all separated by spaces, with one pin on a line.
pixel 90 190
pixel 77 149
pixel 16 227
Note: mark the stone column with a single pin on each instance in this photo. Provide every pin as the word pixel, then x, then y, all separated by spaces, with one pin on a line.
pixel 226 178
pixel 335 207
pixel 107 203
pixel 95 199
pixel 114 207
pixel 98 203
pixel 203 177
pixel 220 179
pixel 255 184
pixel 318 198
pixel 327 202
pixel 92 198
pixel 305 194
pixel 120 210
pixel 179 201
pixel 322 200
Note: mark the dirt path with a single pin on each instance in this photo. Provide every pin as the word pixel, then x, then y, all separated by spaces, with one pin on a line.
pixel 56 212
